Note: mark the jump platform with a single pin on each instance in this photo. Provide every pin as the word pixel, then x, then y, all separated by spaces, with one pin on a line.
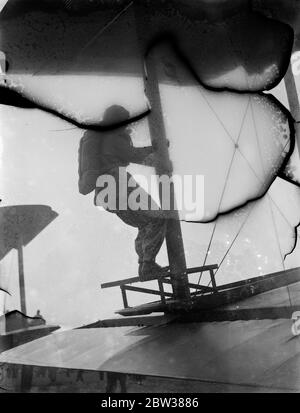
pixel 202 297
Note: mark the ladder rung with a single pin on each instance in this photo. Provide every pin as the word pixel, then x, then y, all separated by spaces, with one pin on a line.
pixel 129 281
pixel 120 282
pixel 191 285
pixel 202 269
pixel 145 290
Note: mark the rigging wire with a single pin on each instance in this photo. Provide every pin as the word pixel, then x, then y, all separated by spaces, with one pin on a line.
pixel 253 206
pixel 63 130
pixel 269 199
pixel 102 30
pixel 279 247
pixel 236 148
pixel 263 184
pixel 239 231
pixel 99 33
pixel 226 181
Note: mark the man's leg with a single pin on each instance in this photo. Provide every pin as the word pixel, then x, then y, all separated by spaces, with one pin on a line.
pixel 150 237
pixel 139 244
pixel 151 226
pixel 135 220
pixel 153 236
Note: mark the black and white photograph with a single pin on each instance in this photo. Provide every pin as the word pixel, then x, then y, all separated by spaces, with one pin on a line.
pixel 149 199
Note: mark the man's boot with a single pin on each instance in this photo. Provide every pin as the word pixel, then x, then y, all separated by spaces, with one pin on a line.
pixel 150 270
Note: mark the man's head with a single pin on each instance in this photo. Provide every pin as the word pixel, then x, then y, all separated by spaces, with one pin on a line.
pixel 115 114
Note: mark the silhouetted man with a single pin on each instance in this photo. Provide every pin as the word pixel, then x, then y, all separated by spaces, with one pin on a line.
pixel 104 154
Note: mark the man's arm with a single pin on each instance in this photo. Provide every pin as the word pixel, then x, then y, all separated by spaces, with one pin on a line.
pixel 146 155
pixel 129 153
pixel 142 156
